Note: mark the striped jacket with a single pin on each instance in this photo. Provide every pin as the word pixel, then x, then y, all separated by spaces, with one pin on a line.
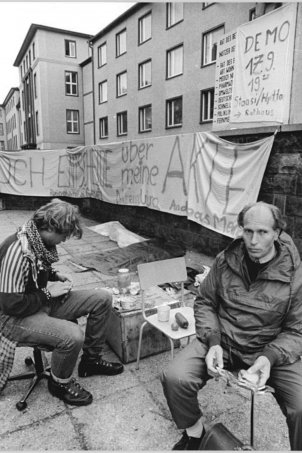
pixel 20 296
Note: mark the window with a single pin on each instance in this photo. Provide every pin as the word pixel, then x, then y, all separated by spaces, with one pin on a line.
pixel 104 127
pixel 102 55
pixel 71 83
pixel 175 62
pixel 144 28
pixel 252 14
pixel 35 85
pixel 70 48
pixel 121 84
pixel 206 105
pixel 1 146
pixel 122 124
pixel 144 74
pixel 34 51
pixel 175 13
pixel 1 129
pixel 37 123
pixel 174 112
pixel 29 56
pixel 72 122
pixel 145 118
pixel 121 43
pixel 103 92
pixel 209 45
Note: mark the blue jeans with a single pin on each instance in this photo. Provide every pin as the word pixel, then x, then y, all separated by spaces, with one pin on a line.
pixel 54 327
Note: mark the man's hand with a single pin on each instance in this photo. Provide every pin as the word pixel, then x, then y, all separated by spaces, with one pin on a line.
pixel 258 373
pixel 214 358
pixel 59 288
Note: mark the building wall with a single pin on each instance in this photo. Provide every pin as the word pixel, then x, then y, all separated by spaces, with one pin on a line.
pixel 12 126
pixel 51 102
pixel 194 78
pixel 2 129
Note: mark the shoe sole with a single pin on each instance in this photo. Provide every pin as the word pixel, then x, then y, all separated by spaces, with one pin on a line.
pixel 87 374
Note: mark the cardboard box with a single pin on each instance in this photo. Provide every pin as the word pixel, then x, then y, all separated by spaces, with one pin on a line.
pixel 123 332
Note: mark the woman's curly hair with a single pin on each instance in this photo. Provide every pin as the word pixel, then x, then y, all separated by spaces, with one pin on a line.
pixel 60 216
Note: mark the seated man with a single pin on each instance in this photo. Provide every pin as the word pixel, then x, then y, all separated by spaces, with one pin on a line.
pixel 248 317
pixel 39 307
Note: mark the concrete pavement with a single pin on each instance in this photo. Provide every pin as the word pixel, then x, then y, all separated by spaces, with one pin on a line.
pixel 129 411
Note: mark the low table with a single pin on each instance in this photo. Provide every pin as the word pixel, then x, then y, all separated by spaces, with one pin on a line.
pixel 124 327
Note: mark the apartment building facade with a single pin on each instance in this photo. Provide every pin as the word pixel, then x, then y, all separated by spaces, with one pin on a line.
pixel 2 129
pixel 51 87
pixel 154 68
pixel 11 106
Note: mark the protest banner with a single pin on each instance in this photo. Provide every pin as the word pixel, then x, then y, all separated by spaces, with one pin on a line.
pixel 196 175
pixel 263 69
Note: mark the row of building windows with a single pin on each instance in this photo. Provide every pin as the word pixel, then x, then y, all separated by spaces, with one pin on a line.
pixel 174 66
pixel 174 115
pixel 174 55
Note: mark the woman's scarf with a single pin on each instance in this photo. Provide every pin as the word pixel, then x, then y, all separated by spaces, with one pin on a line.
pixel 34 249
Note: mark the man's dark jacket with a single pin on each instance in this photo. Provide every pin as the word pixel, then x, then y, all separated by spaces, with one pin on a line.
pixel 263 317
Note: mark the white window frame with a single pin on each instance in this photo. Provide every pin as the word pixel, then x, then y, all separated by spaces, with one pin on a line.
pixel 103 127
pixel 121 42
pixel 143 73
pixel 70 48
pixel 103 91
pixel 71 83
pixel 121 84
pixel 120 118
pixel 207 105
pixel 175 13
pixel 170 112
pixel 209 45
pixel 175 61
pixel 102 54
pixel 145 28
pixel 143 115
pixel 72 121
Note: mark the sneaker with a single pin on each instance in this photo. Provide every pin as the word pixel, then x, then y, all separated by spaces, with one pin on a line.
pixel 188 443
pixel 71 393
pixel 90 366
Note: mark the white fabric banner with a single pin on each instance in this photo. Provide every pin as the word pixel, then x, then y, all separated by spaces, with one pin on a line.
pixel 195 175
pixel 224 178
pixel 263 70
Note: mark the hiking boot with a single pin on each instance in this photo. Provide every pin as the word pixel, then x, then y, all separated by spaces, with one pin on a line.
pixel 71 393
pixel 91 366
pixel 188 443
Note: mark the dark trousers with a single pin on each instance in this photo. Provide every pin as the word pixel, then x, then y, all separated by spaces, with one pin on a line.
pixel 187 374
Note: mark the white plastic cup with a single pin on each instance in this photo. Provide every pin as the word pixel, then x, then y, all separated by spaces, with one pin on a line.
pixel 163 313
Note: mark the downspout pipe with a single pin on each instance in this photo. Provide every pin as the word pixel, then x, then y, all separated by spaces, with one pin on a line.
pixel 93 91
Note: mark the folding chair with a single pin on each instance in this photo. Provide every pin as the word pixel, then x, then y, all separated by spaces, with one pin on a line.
pixel 157 273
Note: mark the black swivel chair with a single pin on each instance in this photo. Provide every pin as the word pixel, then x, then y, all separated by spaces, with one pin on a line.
pixel 39 372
